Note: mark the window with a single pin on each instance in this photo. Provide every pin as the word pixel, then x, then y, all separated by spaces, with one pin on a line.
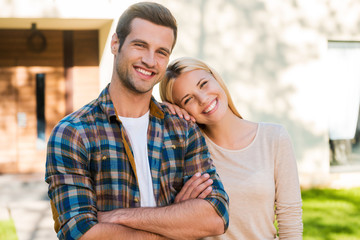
pixel 40 110
pixel 344 100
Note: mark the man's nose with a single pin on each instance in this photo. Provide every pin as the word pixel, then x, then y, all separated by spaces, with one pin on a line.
pixel 149 59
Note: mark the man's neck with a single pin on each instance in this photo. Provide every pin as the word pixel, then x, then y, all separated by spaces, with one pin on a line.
pixel 128 103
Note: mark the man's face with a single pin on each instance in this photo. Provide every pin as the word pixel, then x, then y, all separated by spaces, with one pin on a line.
pixel 142 60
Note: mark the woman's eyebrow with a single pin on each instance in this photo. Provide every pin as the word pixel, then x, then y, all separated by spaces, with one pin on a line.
pixel 200 81
pixel 184 97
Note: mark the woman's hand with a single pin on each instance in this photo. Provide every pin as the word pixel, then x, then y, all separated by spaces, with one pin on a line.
pixel 182 113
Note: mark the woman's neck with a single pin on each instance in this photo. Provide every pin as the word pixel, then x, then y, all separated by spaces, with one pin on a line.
pixel 231 132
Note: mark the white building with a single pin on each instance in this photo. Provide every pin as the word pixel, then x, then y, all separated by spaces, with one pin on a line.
pixel 291 62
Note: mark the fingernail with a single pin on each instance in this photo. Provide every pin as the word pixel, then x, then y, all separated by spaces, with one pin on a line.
pixel 210 181
pixel 197 174
pixel 206 175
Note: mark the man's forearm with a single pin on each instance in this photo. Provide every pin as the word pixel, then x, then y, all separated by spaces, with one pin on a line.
pixel 117 232
pixel 191 219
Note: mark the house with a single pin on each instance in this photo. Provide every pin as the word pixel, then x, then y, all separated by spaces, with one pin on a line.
pixel 291 62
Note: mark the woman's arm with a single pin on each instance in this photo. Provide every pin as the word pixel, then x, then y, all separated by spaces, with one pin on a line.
pixel 288 195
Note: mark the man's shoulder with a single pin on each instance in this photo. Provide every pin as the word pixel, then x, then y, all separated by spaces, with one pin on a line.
pixel 175 120
pixel 85 116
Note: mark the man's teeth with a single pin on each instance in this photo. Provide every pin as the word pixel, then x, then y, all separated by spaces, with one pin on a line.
pixel 144 71
pixel 211 107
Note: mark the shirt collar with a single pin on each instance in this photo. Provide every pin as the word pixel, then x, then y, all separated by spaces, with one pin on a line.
pixel 108 107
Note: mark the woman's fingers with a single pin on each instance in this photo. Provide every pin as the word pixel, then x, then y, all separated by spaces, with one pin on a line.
pixel 182 113
pixel 170 106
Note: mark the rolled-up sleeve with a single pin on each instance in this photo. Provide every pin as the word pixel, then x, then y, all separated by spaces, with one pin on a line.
pixel 71 188
pixel 198 159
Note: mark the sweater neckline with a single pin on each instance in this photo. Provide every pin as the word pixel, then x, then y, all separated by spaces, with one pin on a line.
pixel 235 150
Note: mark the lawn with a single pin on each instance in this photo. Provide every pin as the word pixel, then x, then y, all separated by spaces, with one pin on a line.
pixel 7 230
pixel 330 214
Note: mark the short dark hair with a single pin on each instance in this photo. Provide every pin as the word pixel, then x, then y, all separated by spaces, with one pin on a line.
pixel 150 11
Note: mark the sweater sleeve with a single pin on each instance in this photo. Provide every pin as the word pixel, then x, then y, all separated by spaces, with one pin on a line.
pixel 288 195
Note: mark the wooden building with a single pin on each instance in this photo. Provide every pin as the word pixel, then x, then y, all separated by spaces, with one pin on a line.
pixel 40 73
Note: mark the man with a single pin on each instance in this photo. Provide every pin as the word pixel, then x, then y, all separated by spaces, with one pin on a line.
pixel 116 168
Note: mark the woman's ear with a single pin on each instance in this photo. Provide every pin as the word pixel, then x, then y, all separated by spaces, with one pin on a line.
pixel 114 44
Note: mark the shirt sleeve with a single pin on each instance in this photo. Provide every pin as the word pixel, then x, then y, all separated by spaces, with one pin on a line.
pixel 288 195
pixel 197 159
pixel 70 186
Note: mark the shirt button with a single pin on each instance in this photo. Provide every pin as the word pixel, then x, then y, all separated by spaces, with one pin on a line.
pixel 136 200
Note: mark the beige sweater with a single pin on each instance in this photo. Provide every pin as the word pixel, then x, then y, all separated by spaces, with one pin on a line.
pixel 257 178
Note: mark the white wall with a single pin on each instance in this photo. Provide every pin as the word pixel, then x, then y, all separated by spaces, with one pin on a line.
pixel 272 56
pixel 270 53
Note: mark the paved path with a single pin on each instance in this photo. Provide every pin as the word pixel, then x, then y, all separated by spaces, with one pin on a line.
pixel 23 197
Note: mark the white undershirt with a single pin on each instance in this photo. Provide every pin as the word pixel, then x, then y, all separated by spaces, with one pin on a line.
pixel 136 129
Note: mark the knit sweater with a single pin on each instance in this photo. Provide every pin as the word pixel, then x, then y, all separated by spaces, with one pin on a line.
pixel 261 181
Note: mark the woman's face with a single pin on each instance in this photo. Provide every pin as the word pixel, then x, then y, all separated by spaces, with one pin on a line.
pixel 201 96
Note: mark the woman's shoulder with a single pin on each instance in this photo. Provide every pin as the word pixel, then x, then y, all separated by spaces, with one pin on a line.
pixel 271 127
pixel 272 130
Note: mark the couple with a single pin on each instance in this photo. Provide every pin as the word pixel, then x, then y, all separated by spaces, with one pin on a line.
pixel 125 167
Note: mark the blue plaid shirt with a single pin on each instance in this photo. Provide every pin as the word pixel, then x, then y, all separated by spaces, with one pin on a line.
pixel 90 165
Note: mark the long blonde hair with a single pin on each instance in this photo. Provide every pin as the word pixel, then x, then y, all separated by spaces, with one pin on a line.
pixel 187 64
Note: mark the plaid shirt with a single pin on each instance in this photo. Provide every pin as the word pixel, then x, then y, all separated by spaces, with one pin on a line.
pixel 90 166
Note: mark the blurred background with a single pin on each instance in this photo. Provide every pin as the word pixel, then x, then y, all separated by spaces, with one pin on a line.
pixel 293 62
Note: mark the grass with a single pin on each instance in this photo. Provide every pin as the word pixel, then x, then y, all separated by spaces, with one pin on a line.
pixel 7 230
pixel 331 214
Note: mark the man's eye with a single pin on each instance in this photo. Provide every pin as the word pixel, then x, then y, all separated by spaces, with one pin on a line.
pixel 163 53
pixel 139 45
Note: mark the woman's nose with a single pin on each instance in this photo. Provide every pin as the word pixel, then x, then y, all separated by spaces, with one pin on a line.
pixel 202 98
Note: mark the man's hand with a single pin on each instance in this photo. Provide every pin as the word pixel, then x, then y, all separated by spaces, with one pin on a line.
pixel 182 113
pixel 198 186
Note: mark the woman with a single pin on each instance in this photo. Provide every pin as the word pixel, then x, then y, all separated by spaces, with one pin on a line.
pixel 254 160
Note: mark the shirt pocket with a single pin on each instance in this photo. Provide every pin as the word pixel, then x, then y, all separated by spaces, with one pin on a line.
pixel 172 167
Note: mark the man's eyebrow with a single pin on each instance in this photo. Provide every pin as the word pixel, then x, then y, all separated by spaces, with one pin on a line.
pixel 145 43
pixel 166 50
pixel 139 41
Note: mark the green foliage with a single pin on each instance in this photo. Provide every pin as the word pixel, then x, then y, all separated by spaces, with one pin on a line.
pixel 331 214
pixel 7 230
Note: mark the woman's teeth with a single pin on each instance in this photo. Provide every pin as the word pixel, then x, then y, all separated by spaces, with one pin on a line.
pixel 211 107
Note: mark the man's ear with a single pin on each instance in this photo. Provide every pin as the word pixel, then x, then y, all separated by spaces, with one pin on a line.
pixel 115 43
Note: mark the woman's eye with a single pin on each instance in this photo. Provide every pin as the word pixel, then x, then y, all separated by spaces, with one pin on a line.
pixel 203 84
pixel 187 100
